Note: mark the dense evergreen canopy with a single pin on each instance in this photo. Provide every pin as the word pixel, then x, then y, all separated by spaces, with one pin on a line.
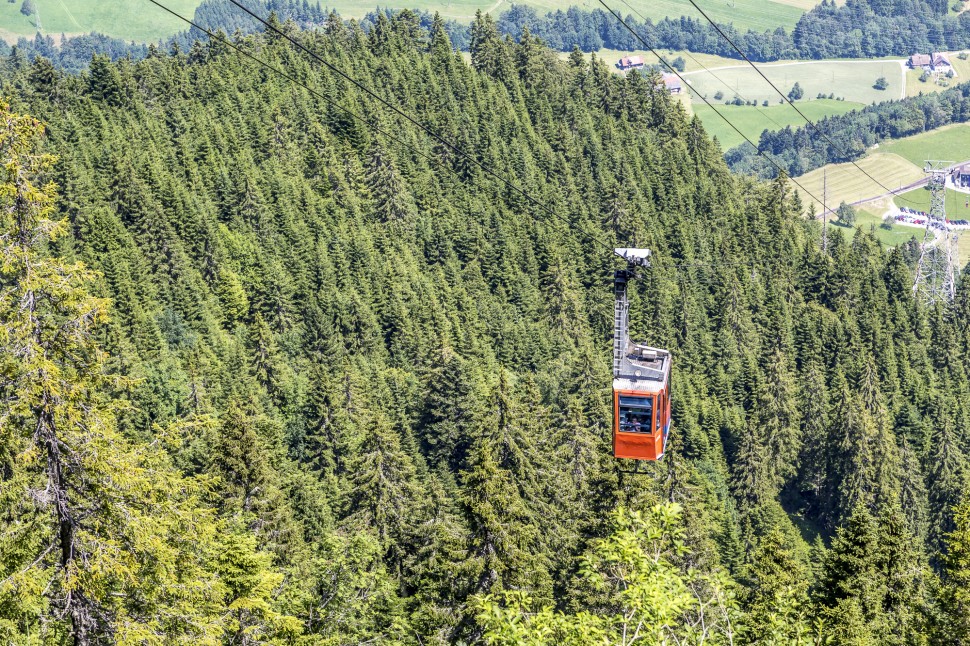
pixel 338 392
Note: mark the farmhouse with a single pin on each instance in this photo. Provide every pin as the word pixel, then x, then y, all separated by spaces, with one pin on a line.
pixel 630 63
pixel 929 62
pixel 960 175
pixel 672 83
pixel 917 61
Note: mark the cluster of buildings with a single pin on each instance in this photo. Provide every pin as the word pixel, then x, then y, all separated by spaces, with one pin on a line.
pixel 932 62
pixel 960 176
pixel 671 81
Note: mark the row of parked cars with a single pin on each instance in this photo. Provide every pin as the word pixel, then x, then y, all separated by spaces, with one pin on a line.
pixel 912 216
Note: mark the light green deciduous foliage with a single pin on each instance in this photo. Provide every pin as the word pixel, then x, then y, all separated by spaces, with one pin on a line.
pixel 101 540
pixel 649 599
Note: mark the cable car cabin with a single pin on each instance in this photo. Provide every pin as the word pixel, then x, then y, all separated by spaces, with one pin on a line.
pixel 641 377
pixel 641 403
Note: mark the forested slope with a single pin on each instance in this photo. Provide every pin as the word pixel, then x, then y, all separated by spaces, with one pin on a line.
pixel 383 386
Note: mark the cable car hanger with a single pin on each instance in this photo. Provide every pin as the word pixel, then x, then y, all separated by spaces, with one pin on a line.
pixel 641 376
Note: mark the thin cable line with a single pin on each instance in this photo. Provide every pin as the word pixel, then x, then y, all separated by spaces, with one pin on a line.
pixel 427 129
pixel 431 132
pixel 367 122
pixel 792 103
pixel 711 105
pixel 711 72
pixel 677 267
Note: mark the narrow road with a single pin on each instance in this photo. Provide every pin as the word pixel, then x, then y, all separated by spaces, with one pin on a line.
pixel 902 90
pixel 901 189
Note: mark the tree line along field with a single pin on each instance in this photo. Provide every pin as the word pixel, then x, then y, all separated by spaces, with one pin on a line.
pixel 759 15
pixel 947 143
pixel 847 183
pixel 851 80
pixel 869 219
pixel 752 120
pixel 895 163
pixel 140 21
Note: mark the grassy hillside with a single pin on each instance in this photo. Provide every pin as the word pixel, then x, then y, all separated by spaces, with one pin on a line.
pixel 752 120
pixel 759 15
pixel 957 208
pixel 947 143
pixel 140 21
pixel 956 202
pixel 694 61
pixel 847 183
pixel 869 220
pixel 136 20
pixel 894 163
pixel 960 66
pixel 851 80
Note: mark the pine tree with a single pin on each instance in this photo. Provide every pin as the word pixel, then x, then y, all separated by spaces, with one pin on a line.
pixel 777 597
pixel 386 493
pixel 851 590
pixel 945 481
pixel 392 203
pixel 503 534
pixel 92 529
pixel 955 591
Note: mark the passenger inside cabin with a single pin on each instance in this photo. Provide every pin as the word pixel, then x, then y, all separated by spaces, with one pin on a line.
pixel 636 414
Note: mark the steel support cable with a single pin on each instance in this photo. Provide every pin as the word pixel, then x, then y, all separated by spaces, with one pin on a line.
pixel 792 103
pixel 709 104
pixel 404 114
pixel 589 236
pixel 431 132
pixel 711 72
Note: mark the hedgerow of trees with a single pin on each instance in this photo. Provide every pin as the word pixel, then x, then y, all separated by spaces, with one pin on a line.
pixel 846 137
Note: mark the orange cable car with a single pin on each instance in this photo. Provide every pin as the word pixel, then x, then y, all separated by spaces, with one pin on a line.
pixel 641 378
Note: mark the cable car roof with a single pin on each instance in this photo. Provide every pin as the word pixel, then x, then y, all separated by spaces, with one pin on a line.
pixel 634 256
pixel 643 368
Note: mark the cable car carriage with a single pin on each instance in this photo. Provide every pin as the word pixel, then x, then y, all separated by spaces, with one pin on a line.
pixel 641 378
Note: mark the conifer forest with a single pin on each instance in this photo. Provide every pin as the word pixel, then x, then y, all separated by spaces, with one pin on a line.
pixel 278 367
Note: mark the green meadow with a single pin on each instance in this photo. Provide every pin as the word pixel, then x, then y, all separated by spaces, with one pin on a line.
pixel 137 20
pixel 851 80
pixel 752 120
pixel 141 21
pixel 867 220
pixel 947 143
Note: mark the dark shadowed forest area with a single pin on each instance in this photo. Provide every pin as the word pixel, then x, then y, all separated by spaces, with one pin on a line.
pixel 270 376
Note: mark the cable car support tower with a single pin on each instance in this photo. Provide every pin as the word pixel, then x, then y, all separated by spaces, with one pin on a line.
pixel 935 274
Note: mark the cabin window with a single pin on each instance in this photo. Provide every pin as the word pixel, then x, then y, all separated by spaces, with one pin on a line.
pixel 636 414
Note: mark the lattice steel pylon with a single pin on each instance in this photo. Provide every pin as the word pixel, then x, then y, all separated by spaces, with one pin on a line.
pixel 935 271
